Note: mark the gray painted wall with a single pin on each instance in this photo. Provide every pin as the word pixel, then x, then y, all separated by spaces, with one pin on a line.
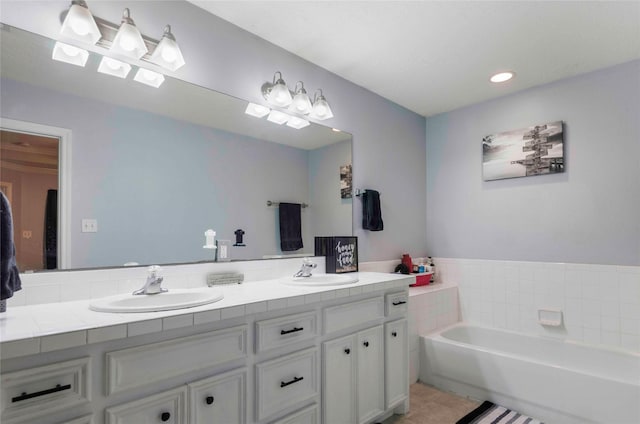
pixel 155 184
pixel 588 214
pixel 388 149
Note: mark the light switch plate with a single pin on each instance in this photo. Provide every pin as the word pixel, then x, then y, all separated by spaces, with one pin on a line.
pixel 89 225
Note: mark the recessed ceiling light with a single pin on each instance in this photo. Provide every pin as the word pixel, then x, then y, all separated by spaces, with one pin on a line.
pixel 335 130
pixel 502 76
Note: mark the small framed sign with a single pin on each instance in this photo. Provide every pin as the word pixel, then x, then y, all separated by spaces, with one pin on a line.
pixel 341 253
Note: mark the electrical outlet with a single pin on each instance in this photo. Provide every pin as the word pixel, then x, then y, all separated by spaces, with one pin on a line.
pixel 89 225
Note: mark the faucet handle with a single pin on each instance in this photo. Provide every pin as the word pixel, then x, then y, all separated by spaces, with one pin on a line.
pixel 154 270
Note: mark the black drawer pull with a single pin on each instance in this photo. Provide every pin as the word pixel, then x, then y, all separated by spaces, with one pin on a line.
pixel 25 395
pixel 295 380
pixel 366 344
pixel 165 416
pixel 399 302
pixel 394 334
pixel 293 330
pixel 209 400
pixel 347 351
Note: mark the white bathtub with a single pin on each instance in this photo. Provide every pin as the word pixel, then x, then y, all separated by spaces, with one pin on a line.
pixel 556 381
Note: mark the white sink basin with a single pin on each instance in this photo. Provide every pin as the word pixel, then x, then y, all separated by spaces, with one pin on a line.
pixel 323 280
pixel 173 299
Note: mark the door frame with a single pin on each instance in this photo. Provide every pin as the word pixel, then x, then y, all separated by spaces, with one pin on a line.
pixel 64 179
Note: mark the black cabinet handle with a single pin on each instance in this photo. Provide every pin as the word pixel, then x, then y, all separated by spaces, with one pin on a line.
pixel 366 344
pixel 399 302
pixel 347 351
pixel 165 416
pixel 295 380
pixel 293 330
pixel 394 334
pixel 209 400
pixel 25 395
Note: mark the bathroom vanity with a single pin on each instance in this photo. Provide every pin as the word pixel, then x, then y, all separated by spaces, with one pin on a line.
pixel 267 353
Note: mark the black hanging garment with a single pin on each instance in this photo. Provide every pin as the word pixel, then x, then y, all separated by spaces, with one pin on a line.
pixel 290 227
pixel 9 274
pixel 371 213
pixel 51 230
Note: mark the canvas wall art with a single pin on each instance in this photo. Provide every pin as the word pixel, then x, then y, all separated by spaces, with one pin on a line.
pixel 534 150
pixel 346 178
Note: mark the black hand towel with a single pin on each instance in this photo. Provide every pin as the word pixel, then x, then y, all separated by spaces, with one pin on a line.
pixel 9 274
pixel 290 227
pixel 371 213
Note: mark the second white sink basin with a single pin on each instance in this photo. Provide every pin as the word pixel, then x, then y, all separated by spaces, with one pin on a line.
pixel 324 280
pixel 170 300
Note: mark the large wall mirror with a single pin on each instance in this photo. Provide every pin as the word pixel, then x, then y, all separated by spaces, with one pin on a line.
pixel 149 170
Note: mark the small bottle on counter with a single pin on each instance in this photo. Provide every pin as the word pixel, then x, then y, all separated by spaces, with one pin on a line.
pixel 433 269
pixel 421 266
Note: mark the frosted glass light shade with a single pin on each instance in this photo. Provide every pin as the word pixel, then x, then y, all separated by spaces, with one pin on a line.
pixel 128 40
pixel 279 94
pixel 114 67
pixel 301 103
pixel 167 53
pixel 257 110
pixel 321 109
pixel 79 24
pixel 69 54
pixel 278 117
pixel 297 123
pixel 145 76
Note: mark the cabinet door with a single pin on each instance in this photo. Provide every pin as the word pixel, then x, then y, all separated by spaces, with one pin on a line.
pixel 167 407
pixel 370 373
pixel 219 399
pixel 396 362
pixel 339 381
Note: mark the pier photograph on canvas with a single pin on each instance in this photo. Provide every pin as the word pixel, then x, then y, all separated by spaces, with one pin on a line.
pixel 535 150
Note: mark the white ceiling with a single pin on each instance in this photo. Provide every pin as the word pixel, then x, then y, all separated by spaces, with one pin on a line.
pixel 436 56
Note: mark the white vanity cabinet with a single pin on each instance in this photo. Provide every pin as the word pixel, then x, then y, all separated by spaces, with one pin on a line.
pixel 168 407
pixel 219 399
pixel 396 370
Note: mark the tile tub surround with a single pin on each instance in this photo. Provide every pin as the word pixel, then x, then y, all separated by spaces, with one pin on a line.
pixel 32 329
pixel 64 286
pixel 600 303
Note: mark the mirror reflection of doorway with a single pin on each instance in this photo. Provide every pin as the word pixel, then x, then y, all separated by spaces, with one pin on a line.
pixel 29 179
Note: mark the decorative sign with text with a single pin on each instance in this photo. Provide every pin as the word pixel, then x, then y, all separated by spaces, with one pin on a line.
pixel 341 253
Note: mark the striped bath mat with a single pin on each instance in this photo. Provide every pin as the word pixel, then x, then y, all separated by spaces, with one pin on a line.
pixel 490 413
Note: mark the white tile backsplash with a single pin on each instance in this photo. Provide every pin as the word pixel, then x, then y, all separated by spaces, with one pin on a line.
pixel 600 303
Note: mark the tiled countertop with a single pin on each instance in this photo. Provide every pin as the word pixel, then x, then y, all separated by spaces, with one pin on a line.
pixel 33 329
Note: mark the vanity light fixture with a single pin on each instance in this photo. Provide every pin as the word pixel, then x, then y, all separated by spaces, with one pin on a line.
pixel 167 53
pixel 321 109
pixel 278 117
pixel 257 110
pixel 128 40
pixel 114 67
pixel 69 54
pixel 79 24
pixel 148 77
pixel 297 123
pixel 502 76
pixel 301 103
pixel 277 93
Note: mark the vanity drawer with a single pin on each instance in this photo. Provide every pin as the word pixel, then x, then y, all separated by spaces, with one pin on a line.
pixel 308 415
pixel 166 407
pixel 219 399
pixel 285 382
pixel 277 332
pixel 144 365
pixel 39 391
pixel 339 317
pixel 396 304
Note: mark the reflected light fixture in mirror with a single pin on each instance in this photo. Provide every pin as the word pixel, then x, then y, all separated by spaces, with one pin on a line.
pixel 114 67
pixel 79 24
pixel 301 103
pixel 257 110
pixel 502 77
pixel 277 93
pixel 128 41
pixel 148 77
pixel 69 54
pixel 167 54
pixel 278 117
pixel 297 123
pixel 321 109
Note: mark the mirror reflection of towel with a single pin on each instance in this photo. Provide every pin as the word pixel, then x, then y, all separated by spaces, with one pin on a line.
pixel 371 213
pixel 290 227
pixel 9 274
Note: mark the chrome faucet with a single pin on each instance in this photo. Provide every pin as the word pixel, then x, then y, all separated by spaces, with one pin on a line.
pixel 305 269
pixel 154 281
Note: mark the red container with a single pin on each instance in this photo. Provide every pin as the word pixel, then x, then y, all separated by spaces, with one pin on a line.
pixel 406 260
pixel 422 279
